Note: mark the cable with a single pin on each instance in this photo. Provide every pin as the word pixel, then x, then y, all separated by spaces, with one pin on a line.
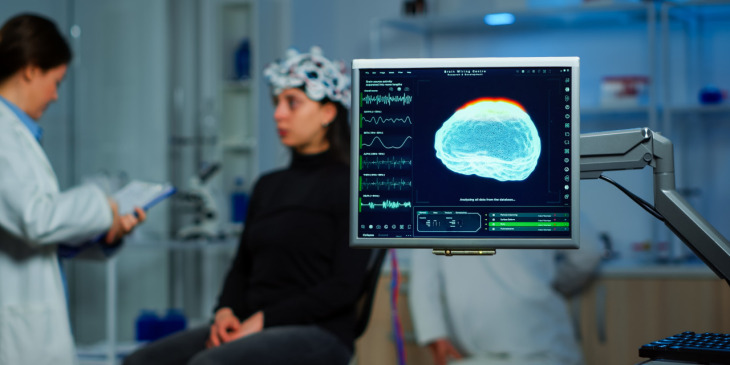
pixel 642 203
pixel 394 291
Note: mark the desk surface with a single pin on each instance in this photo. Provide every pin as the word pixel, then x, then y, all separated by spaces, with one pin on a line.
pixel 674 271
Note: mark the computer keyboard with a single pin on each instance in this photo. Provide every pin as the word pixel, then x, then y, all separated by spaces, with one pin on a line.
pixel 704 348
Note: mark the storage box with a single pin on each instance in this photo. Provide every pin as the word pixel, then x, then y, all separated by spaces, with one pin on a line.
pixel 624 91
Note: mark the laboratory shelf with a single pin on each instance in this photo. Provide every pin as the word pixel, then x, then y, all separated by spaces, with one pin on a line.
pixel 690 10
pixel 245 145
pixel 705 110
pixel 244 85
pixel 590 114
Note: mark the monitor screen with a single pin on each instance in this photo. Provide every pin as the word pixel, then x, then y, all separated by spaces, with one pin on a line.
pixel 465 153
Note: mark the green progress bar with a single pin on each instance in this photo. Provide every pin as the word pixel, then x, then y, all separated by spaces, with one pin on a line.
pixel 529 224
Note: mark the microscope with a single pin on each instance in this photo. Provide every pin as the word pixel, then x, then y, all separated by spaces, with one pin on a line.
pixel 205 223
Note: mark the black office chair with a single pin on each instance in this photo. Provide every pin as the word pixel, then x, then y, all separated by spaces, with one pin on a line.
pixel 365 304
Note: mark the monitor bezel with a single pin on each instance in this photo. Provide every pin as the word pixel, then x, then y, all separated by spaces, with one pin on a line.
pixel 469 243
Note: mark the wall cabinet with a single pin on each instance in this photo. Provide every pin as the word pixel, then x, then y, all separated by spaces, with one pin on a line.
pixel 237 38
pixel 238 97
pixel 229 61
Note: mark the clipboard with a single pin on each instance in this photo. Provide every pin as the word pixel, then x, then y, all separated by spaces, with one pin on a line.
pixel 136 193
pixel 141 194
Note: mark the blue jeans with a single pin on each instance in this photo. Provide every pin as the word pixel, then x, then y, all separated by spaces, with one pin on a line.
pixel 302 345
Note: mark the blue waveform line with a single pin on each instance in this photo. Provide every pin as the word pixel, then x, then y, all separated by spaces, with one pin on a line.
pixel 387 147
pixel 387 204
pixel 381 120
pixel 385 184
pixel 388 163
pixel 388 99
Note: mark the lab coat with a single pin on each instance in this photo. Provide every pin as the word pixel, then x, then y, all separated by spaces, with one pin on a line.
pixel 501 309
pixel 34 217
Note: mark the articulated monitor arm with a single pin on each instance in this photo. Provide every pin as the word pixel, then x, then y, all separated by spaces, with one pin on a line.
pixel 637 148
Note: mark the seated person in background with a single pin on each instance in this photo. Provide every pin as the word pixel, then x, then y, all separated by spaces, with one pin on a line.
pixel 289 296
pixel 507 309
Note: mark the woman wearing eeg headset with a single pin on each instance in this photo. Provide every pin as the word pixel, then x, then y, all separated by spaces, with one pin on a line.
pixel 35 216
pixel 290 294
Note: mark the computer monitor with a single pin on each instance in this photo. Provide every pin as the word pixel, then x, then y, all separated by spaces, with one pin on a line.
pixel 465 153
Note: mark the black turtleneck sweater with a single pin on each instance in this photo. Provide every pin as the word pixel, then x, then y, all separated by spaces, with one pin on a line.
pixel 293 260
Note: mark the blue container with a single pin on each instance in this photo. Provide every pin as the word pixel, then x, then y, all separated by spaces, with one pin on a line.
pixel 243 60
pixel 239 202
pixel 146 326
pixel 711 95
pixel 173 321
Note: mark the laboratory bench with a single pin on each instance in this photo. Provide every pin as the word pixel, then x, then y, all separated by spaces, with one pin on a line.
pixel 628 305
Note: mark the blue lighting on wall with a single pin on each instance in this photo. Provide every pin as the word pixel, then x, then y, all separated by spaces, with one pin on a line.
pixel 499 19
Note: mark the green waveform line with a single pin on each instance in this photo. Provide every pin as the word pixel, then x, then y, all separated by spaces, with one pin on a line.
pixel 387 99
pixel 387 204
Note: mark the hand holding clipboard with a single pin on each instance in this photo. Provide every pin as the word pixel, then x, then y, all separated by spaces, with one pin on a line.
pixel 130 202
pixel 135 194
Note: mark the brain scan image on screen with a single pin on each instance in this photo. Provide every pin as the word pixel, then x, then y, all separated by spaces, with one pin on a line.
pixel 490 138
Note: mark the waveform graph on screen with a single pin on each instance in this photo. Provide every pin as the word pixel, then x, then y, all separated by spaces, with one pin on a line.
pixel 390 142
pixel 385 163
pixel 384 205
pixel 389 99
pixel 385 184
pixel 385 122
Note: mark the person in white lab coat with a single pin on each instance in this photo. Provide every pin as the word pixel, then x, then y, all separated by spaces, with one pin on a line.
pixel 509 309
pixel 35 216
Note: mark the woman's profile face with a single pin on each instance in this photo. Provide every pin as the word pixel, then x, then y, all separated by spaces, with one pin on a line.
pixel 301 121
pixel 44 88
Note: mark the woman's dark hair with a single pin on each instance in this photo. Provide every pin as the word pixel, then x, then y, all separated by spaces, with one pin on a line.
pixel 338 133
pixel 29 39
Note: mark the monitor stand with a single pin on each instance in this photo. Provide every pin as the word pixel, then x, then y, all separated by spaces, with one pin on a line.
pixel 637 148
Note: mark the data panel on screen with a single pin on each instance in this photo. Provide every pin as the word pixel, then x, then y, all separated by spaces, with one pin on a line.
pixel 465 153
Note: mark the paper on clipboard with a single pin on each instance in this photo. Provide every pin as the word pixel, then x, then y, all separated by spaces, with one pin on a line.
pixel 141 194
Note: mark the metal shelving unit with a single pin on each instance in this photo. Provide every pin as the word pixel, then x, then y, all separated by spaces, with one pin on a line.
pixel 689 21
pixel 427 27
